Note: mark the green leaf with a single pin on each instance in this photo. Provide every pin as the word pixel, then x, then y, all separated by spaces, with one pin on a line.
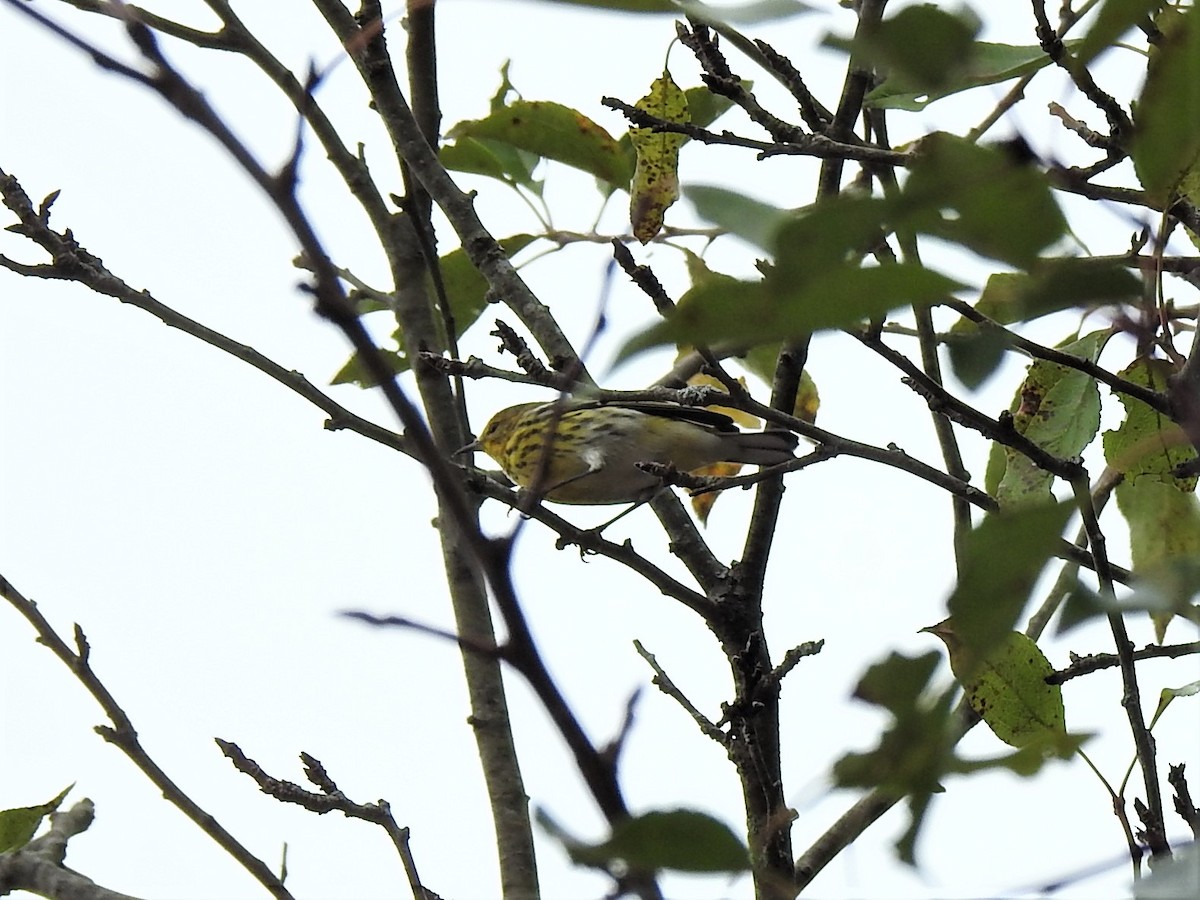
pixel 706 107
pixel 1147 443
pixel 466 289
pixel 466 292
pixel 656 177
pixel 917 748
pixel 897 683
pixel 699 271
pixel 975 356
pixel 1114 19
pixel 1164 591
pixel 493 159
pixel 1164 522
pixel 500 98
pixel 986 63
pixel 556 132
pixel 1081 604
pixel 997 463
pixel 827 233
pixel 681 839
pixel 750 219
pixel 1001 560
pixel 634 6
pixel 1002 300
pixel 1166 140
pixel 752 13
pixel 773 309
pixel 355 372
pixel 1052 285
pixel 982 198
pixel 1169 586
pixel 1008 688
pixel 831 233
pixel 18 826
pixel 924 46
pixel 1031 756
pixel 1058 408
pixel 1164 538
pixel 1166 695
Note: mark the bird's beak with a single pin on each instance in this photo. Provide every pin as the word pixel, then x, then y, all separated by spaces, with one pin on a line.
pixel 473 447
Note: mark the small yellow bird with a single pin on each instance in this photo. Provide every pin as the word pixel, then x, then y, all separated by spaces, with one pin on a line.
pixel 591 457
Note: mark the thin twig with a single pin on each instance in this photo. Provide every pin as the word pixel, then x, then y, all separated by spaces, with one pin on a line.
pixel 1156 837
pixel 943 401
pixel 1154 399
pixel 1067 578
pixel 124 737
pixel 1094 662
pixel 331 302
pixel 330 799
pixel 816 145
pixel 663 682
pixel 72 262
pixel 1183 799
pixel 1120 126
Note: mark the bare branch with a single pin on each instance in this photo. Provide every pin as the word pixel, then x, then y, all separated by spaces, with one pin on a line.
pixel 663 682
pixel 331 799
pixel 123 735
pixel 1183 799
pixel 1094 662
pixel 817 145
pixel 72 262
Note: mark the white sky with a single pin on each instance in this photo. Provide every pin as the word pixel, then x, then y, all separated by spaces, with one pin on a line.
pixel 197 521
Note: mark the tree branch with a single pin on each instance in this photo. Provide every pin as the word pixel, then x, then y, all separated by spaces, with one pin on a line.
pixel 124 737
pixel 331 799
pixel 38 866
pixel 1094 662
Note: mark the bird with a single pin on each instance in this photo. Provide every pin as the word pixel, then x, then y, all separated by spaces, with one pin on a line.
pixel 586 452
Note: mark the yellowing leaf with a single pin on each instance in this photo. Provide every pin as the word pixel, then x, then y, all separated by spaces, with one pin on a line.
pixel 761 361
pixel 808 400
pixel 702 504
pixel 656 178
pixel 552 131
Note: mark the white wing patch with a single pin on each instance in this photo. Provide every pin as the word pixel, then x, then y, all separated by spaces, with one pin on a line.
pixel 594 457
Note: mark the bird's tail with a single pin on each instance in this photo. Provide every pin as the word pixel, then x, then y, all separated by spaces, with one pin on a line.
pixel 762 448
